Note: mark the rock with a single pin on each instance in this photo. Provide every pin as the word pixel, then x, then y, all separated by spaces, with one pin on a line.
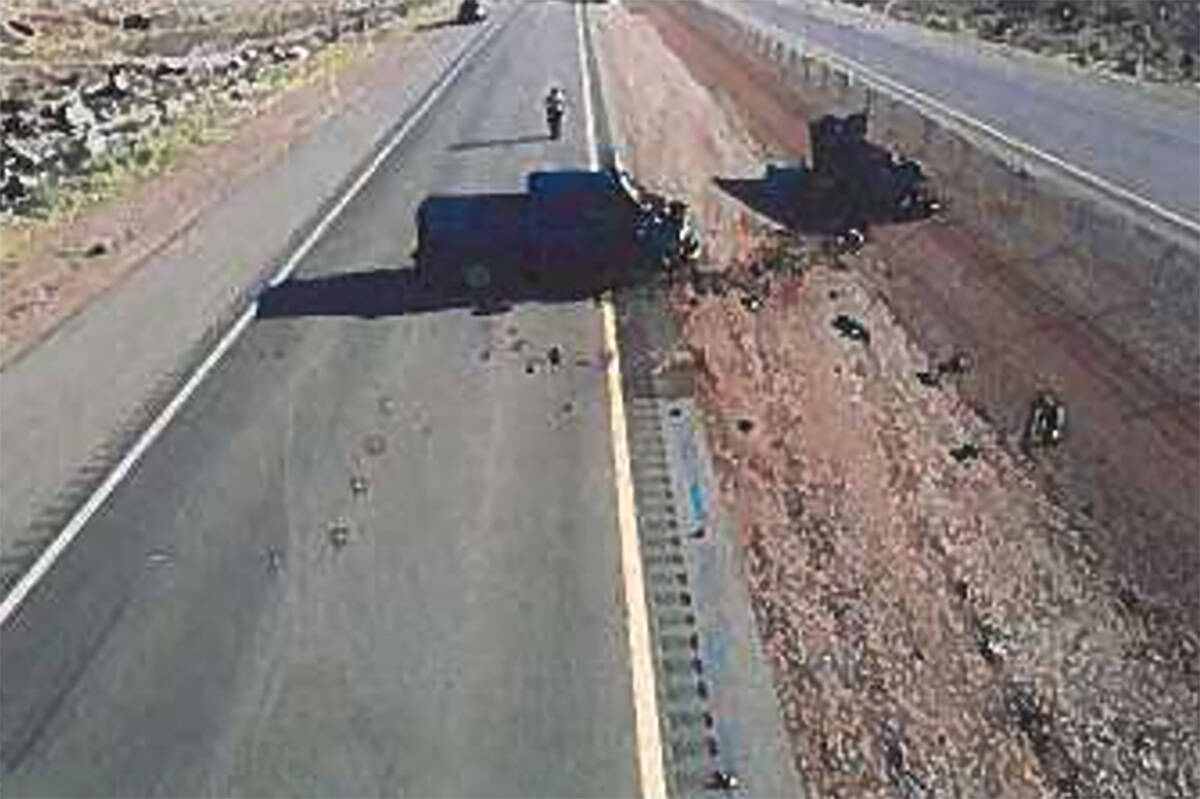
pixel 14 191
pixel 14 105
pixel 77 115
pixel 17 126
pixel 135 22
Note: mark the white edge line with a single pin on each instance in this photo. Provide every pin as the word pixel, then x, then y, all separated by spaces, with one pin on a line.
pixel 14 598
pixel 893 87
pixel 652 779
pixel 586 89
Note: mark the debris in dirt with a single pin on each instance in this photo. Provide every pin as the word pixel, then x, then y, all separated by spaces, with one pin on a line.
pixel 554 357
pixel 697 534
pixel 20 27
pixel 386 405
pixel 274 557
pixel 530 367
pixel 583 362
pixel 745 425
pixel 375 444
pixel 339 534
pixel 964 453
pixel 752 303
pixel 519 344
pixel 158 556
pixel 568 407
pixel 358 485
pixel 1047 421
pixel 957 364
pixel 96 250
pixel 851 328
pixel 722 781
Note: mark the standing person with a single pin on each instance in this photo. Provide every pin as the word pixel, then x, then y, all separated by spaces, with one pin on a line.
pixel 556 108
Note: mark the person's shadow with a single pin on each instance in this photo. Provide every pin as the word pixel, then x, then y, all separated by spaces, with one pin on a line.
pixel 480 144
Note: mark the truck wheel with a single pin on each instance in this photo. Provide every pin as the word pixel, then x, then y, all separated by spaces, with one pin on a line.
pixel 477 276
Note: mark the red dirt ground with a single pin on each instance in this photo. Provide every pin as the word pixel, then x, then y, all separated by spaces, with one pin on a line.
pixel 935 627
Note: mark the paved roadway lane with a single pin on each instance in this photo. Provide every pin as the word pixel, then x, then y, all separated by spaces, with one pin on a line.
pixel 468 640
pixel 1119 132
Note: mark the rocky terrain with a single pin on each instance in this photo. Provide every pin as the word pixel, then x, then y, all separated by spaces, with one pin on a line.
pixel 1156 40
pixel 90 89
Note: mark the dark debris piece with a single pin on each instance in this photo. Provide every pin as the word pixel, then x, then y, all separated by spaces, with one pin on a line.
pixel 964 453
pixel 554 357
pixel 339 535
pixel 744 425
pixel 722 781
pixel 851 328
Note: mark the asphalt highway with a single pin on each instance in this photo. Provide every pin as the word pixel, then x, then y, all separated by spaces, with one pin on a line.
pixel 371 556
pixel 1147 142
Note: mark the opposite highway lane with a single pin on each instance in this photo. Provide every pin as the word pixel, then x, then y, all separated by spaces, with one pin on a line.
pixel 207 635
pixel 1120 132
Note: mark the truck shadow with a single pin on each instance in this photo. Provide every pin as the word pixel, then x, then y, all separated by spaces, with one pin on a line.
pixel 570 238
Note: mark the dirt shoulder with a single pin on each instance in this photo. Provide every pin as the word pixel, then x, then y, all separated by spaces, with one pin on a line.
pixel 54 266
pixel 939 622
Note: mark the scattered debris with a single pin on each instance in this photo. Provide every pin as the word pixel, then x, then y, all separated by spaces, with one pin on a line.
pixel 851 328
pixel 386 405
pixel 957 364
pixel 96 250
pixel 274 560
pixel 964 453
pixel 158 556
pixel 339 534
pixel 568 407
pixel 554 357
pixel 745 425
pixel 358 485
pixel 722 781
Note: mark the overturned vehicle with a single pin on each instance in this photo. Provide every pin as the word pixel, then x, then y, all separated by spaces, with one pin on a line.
pixel 570 235
pixel 850 184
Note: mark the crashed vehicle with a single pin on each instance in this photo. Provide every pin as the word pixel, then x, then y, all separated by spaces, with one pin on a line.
pixel 865 182
pixel 471 11
pixel 571 234
pixel 1047 423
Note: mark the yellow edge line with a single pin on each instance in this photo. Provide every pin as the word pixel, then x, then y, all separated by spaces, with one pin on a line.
pixel 645 698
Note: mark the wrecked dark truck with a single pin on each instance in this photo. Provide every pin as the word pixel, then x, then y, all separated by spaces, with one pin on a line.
pixel 572 234
pixel 850 184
